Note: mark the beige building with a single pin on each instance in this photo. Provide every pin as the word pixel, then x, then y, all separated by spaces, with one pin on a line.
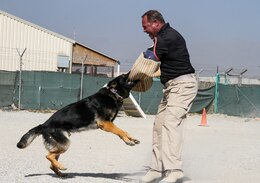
pixel 30 47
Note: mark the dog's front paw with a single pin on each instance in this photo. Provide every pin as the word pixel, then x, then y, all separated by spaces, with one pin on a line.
pixel 136 141
pixel 131 141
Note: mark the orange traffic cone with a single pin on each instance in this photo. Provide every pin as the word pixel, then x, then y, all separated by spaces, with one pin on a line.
pixel 203 118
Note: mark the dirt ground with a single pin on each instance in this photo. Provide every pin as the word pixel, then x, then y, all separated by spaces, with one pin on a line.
pixel 226 151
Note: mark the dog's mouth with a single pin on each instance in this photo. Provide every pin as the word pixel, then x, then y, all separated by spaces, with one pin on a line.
pixel 134 82
pixel 131 84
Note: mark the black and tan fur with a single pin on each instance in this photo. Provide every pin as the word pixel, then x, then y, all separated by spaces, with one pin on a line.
pixel 96 111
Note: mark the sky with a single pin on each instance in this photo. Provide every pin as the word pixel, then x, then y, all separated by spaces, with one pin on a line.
pixel 218 33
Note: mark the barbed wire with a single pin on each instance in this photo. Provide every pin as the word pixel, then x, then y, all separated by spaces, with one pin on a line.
pixel 207 69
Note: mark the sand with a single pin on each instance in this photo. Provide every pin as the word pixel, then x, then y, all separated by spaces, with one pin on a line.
pixel 226 151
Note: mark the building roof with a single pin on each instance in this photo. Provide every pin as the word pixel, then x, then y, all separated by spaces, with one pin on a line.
pixel 36 26
pixel 52 33
pixel 97 52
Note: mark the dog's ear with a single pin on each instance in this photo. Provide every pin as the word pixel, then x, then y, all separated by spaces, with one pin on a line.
pixel 127 74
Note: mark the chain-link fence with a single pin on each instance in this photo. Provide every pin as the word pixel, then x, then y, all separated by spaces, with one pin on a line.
pixel 54 90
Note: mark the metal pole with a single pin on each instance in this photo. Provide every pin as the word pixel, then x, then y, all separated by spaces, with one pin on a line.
pixel 20 77
pixel 198 74
pixel 216 93
pixel 139 98
pixel 82 77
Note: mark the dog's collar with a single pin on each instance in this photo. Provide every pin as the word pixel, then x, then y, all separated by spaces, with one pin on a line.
pixel 114 91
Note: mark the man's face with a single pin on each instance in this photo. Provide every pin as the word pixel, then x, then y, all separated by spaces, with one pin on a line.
pixel 149 27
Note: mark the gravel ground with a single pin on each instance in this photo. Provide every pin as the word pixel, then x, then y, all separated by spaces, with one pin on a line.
pixel 226 151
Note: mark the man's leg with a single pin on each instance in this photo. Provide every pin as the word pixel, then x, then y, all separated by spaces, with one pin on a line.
pixel 156 162
pixel 179 101
pixel 172 137
pixel 155 172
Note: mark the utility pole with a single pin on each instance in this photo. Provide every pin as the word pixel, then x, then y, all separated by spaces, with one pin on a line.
pixel 20 77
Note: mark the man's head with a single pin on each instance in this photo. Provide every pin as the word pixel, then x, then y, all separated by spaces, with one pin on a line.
pixel 152 22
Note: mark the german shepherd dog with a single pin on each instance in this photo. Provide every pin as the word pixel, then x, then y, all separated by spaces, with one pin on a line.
pixel 96 111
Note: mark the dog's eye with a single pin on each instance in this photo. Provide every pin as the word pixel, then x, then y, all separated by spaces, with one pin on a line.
pixel 113 84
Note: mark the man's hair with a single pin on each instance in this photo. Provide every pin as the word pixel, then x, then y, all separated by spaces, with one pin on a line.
pixel 154 15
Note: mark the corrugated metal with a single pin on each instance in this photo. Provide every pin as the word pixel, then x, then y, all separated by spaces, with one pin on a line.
pixel 42 46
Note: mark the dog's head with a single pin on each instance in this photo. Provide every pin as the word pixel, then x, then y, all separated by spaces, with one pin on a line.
pixel 121 85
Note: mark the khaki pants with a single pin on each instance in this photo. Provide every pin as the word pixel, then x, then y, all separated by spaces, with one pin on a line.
pixel 178 96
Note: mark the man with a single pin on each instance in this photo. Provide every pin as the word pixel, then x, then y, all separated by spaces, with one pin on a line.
pixel 180 89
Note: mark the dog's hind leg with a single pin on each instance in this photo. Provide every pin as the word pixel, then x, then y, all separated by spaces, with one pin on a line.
pixel 57 172
pixel 111 127
pixel 52 157
pixel 55 164
pixel 56 143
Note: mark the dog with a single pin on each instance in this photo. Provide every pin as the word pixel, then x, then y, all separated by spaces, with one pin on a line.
pixel 96 111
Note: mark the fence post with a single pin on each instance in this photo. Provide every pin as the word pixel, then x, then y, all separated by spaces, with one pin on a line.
pixel 20 77
pixel 39 97
pixel 216 94
pixel 82 77
pixel 139 98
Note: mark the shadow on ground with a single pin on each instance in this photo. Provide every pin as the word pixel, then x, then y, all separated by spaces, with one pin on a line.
pixel 115 176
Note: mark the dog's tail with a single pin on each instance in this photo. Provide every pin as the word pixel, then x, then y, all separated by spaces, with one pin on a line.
pixel 27 138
